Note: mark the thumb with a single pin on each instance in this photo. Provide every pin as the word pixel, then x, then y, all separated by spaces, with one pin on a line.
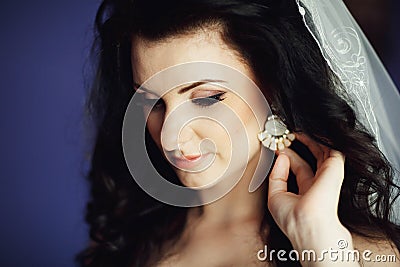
pixel 279 176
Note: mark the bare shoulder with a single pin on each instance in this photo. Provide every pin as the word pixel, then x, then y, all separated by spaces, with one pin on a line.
pixel 375 252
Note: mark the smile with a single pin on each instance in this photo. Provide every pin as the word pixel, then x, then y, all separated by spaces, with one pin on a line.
pixel 191 161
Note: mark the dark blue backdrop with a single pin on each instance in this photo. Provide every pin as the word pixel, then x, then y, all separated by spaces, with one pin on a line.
pixel 43 48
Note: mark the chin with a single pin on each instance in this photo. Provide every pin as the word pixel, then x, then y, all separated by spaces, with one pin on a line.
pixel 197 180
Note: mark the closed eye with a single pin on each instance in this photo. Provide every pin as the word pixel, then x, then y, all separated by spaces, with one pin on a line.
pixel 208 101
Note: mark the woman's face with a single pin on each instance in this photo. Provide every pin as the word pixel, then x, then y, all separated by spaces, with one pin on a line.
pixel 195 165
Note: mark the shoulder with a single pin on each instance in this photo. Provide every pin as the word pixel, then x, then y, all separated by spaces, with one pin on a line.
pixel 376 252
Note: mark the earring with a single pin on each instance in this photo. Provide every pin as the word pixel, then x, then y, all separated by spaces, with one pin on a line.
pixel 275 135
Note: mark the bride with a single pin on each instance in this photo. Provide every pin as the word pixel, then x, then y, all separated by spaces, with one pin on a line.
pixel 311 171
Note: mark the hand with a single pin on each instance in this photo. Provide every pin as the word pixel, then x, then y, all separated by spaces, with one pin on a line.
pixel 309 219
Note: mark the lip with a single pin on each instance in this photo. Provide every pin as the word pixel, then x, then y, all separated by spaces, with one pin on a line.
pixel 190 157
pixel 190 161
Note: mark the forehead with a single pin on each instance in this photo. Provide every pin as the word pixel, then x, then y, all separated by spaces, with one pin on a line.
pixel 151 57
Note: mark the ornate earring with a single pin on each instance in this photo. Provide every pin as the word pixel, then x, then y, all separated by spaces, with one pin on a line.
pixel 275 135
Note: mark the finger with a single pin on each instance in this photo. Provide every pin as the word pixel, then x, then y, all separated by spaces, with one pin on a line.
pixel 278 176
pixel 329 178
pixel 319 151
pixel 301 169
pixel 280 202
pixel 333 164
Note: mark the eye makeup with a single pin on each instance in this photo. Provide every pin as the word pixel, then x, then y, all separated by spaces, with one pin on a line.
pixel 209 100
pixel 201 97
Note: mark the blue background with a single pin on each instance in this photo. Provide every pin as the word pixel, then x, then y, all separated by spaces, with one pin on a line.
pixel 44 47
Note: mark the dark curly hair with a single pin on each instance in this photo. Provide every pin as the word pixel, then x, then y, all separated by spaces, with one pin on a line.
pixel 126 224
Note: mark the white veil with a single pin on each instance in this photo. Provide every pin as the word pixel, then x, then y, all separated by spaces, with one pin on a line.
pixel 352 58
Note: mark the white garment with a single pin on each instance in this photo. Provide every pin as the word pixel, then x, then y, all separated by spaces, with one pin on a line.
pixel 352 58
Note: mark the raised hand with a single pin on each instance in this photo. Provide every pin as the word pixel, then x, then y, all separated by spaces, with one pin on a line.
pixel 309 219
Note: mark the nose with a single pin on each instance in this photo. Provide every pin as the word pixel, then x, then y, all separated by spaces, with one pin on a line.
pixel 176 132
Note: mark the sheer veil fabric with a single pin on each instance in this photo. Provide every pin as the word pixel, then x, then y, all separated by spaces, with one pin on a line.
pixel 364 79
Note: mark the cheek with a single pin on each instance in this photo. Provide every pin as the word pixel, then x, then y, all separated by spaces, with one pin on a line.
pixel 211 130
pixel 154 126
pixel 250 122
pixel 252 128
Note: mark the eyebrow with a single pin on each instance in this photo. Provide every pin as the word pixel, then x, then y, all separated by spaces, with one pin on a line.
pixel 184 89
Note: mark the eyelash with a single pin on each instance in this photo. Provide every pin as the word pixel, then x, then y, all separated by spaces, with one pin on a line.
pixel 202 102
pixel 208 101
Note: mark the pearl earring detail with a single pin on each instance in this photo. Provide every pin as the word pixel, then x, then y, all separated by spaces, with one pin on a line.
pixel 275 136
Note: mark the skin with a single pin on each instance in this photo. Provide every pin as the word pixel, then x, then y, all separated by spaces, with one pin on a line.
pixel 226 234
